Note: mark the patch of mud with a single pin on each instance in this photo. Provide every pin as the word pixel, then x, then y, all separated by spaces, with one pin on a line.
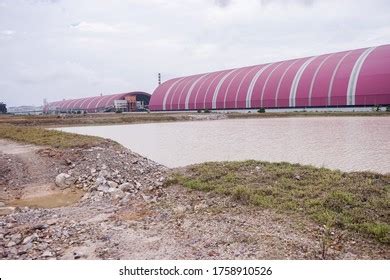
pixel 21 166
pixel 48 198
pixel 6 210
pixel 13 148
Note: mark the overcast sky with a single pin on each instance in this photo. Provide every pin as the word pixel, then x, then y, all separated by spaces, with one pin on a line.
pixel 58 49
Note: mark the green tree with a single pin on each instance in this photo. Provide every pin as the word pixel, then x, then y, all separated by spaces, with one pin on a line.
pixel 3 108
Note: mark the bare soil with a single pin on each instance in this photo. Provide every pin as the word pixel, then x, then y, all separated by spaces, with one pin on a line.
pixel 147 221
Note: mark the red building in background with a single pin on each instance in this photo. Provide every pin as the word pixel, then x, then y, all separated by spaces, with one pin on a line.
pixel 344 79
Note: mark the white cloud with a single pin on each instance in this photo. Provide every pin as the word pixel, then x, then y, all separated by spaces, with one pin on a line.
pixel 95 27
pixel 7 32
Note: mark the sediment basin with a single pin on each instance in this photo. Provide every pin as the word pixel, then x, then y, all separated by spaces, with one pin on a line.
pixel 345 143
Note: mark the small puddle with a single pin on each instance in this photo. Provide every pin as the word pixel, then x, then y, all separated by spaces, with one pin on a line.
pixel 6 210
pixel 52 200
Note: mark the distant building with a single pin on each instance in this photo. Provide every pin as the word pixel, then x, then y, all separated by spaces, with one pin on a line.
pixel 25 110
pixel 125 102
pixel 344 79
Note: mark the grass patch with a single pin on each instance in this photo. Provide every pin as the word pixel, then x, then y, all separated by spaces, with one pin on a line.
pixel 91 119
pixel 44 137
pixel 357 201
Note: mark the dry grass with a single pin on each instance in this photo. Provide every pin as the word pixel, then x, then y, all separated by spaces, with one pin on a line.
pixel 357 201
pixel 127 118
pixel 92 119
pixel 44 137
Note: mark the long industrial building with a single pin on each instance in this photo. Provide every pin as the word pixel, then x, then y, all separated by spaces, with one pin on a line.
pixel 351 78
pixel 125 102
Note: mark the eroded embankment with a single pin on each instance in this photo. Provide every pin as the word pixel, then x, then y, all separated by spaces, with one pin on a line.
pixel 355 201
pixel 52 198
pixel 129 210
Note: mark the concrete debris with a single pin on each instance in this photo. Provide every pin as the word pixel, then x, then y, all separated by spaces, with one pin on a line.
pixel 46 254
pixel 64 180
pixel 112 184
pixel 30 238
pixel 111 179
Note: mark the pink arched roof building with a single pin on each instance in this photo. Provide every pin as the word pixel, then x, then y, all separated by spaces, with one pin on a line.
pixel 351 78
pixel 94 103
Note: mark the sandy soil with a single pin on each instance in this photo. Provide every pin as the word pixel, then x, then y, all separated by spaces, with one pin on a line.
pixel 147 221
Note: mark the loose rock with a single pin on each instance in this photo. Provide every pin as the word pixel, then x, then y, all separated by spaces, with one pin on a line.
pixel 64 180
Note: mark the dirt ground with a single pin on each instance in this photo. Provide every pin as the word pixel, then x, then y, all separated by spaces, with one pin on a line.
pixel 117 207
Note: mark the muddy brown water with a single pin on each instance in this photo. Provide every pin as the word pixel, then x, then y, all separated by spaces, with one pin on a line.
pixel 345 143
pixel 49 200
pixel 33 195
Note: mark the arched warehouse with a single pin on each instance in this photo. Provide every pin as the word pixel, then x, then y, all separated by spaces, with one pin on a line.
pixel 132 101
pixel 351 78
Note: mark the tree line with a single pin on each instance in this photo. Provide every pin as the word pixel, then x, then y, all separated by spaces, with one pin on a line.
pixel 3 108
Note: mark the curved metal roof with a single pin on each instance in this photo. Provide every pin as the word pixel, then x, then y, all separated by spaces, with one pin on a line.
pixel 350 78
pixel 91 104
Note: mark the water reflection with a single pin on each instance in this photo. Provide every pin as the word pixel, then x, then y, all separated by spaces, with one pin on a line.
pixel 346 143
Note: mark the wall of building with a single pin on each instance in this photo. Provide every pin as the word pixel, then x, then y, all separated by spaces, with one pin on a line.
pixel 351 78
pixel 94 104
